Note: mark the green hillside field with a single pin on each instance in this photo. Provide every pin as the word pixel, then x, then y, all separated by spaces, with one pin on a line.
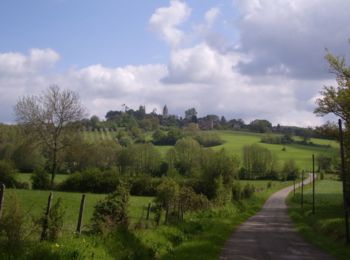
pixel 234 141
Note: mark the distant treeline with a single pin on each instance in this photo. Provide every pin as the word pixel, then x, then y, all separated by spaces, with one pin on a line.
pixel 129 118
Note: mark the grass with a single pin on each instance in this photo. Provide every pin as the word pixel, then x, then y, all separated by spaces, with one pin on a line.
pixel 34 202
pixel 202 236
pixel 325 229
pixel 25 177
pixel 236 140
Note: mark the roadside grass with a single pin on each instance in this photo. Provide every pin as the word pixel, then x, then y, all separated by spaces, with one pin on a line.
pixel 203 235
pixel 325 229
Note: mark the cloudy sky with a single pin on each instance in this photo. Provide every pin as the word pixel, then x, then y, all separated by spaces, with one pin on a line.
pixel 241 59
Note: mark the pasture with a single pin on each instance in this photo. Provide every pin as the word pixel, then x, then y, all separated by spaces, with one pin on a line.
pixel 33 203
pixel 234 141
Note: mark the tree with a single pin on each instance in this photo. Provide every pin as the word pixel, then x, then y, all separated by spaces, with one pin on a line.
pixel 165 111
pixel 191 114
pixel 260 126
pixel 336 100
pixel 50 118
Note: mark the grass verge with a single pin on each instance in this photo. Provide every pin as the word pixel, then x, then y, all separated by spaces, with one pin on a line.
pixel 325 229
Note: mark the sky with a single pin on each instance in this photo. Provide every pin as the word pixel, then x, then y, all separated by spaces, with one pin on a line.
pixel 256 59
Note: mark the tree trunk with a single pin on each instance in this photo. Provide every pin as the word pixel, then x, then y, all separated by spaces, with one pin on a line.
pixel 54 167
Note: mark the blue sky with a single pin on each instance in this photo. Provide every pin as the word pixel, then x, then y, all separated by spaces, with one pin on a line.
pixel 85 32
pixel 241 59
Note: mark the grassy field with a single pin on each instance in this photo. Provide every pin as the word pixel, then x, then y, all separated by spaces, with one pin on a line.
pixel 33 203
pixel 236 140
pixel 325 229
pixel 25 177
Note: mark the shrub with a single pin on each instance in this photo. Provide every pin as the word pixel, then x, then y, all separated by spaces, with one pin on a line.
pixel 236 191
pixel 40 180
pixel 248 191
pixel 91 180
pixel 144 186
pixel 12 224
pixel 55 220
pixel 7 174
pixel 112 213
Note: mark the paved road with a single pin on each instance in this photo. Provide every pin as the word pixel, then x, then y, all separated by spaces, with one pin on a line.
pixel 270 235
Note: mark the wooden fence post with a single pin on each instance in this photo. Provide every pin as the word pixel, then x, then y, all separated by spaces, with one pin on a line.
pixel 46 218
pixel 2 198
pixel 148 210
pixel 81 212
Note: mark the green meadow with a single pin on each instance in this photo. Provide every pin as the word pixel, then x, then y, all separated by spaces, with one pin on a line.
pixel 33 203
pixel 234 141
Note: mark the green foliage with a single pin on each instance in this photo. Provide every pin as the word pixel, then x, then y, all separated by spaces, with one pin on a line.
pixel 167 193
pixel 259 162
pixel 40 180
pixel 324 162
pixel 7 174
pixel 236 191
pixel 91 180
pixel 185 156
pixel 12 224
pixel 112 212
pixel 53 221
pixel 248 191
pixel 290 170
pixel 325 228
pixel 276 139
pixel 144 186
pixel 260 126
pixel 208 139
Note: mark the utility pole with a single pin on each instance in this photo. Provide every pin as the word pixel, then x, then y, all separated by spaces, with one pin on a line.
pixel 343 174
pixel 313 184
pixel 302 191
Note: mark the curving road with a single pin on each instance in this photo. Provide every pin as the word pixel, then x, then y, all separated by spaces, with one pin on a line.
pixel 270 234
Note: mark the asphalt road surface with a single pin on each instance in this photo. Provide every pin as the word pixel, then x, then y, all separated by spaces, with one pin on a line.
pixel 270 234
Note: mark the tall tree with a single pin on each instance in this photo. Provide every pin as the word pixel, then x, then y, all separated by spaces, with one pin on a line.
pixel 336 100
pixel 50 118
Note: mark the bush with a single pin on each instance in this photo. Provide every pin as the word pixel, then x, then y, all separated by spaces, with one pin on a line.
pixel 53 222
pixel 144 186
pixel 236 191
pixel 112 212
pixel 12 224
pixel 7 174
pixel 91 180
pixel 40 180
pixel 248 191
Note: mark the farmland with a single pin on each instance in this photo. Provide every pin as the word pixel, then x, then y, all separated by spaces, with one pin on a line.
pixel 234 141
pixel 191 239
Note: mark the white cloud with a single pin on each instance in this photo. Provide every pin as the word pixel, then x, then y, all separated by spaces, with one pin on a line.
pixel 275 73
pixel 211 15
pixel 292 35
pixel 14 63
pixel 165 21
